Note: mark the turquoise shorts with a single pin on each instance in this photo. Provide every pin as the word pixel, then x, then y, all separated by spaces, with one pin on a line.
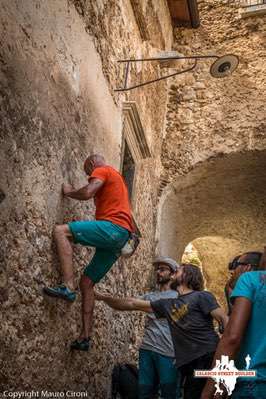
pixel 108 239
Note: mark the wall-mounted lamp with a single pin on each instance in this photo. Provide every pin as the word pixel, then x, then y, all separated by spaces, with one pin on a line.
pixel 222 67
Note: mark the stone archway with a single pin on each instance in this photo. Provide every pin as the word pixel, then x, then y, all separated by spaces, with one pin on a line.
pixel 224 196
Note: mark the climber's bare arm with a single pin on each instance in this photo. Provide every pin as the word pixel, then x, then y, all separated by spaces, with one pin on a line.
pixel 84 193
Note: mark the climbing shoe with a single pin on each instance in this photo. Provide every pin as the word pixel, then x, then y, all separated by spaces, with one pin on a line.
pixel 81 345
pixel 61 291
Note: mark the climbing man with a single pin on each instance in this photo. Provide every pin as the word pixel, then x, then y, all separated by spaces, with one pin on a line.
pixel 157 368
pixel 190 319
pixel 108 234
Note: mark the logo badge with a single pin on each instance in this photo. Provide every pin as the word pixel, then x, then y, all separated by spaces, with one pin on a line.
pixel 225 373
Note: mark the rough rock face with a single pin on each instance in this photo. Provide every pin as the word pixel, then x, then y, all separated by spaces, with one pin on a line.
pixel 213 182
pixel 58 69
pixel 57 105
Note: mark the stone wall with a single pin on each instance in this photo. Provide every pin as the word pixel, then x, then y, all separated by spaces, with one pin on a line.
pixel 58 71
pixel 213 182
pixel 207 116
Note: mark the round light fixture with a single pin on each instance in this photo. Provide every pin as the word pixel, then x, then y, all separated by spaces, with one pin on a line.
pixel 224 66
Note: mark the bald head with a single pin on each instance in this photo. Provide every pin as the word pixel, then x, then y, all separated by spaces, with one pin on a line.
pixel 93 161
pixel 96 158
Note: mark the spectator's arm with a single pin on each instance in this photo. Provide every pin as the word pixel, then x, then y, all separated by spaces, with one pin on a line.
pixel 129 304
pixel 219 315
pixel 84 193
pixel 231 339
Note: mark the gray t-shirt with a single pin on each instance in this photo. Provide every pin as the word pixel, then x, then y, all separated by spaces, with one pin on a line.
pixel 157 336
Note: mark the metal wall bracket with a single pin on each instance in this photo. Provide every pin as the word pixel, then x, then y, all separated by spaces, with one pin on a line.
pixel 128 63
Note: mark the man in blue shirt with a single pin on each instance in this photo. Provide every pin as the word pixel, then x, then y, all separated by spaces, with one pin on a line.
pixel 245 336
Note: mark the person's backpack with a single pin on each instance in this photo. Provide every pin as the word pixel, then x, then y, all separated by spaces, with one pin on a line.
pixel 125 381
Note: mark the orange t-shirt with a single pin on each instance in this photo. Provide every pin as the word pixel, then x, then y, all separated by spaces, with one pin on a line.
pixel 112 202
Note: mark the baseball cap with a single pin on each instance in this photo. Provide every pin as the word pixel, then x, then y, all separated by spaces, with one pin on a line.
pixel 167 261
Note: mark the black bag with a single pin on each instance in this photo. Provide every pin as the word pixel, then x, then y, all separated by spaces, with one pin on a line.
pixel 125 381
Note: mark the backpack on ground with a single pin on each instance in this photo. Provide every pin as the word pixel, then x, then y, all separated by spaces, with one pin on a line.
pixel 125 381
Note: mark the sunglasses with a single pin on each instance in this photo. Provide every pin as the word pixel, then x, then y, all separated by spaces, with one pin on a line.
pixel 242 263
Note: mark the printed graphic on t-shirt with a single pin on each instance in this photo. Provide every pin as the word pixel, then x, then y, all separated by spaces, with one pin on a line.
pixel 177 313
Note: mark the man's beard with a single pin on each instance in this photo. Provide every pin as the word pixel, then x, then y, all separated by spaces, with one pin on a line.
pixel 163 280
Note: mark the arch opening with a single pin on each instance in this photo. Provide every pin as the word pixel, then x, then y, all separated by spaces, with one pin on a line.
pixel 212 254
pixel 219 207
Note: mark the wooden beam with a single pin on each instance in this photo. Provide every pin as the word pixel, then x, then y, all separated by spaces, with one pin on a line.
pixel 193 13
pixel 184 13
